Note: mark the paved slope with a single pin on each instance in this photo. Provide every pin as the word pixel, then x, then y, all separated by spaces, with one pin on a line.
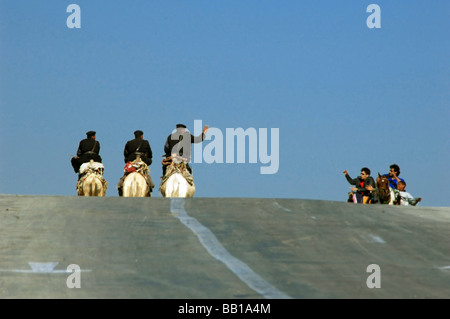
pixel 231 248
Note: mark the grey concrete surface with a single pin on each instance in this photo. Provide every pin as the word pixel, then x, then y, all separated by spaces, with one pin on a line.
pixel 231 248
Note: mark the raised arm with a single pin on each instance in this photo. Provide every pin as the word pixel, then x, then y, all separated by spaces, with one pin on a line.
pixel 201 137
pixel 350 180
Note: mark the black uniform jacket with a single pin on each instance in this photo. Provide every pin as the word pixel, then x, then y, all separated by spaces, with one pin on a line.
pixel 138 147
pixel 180 143
pixel 89 149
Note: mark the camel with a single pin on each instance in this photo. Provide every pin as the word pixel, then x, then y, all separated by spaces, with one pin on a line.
pixel 177 182
pixel 93 182
pixel 135 183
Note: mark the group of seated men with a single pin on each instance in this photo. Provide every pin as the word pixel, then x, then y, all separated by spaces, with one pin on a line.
pixel 364 187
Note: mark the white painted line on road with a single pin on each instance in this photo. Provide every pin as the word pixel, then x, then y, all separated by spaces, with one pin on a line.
pixel 213 246
pixel 42 268
pixel 372 238
pixel 276 204
pixel 445 268
pixel 377 239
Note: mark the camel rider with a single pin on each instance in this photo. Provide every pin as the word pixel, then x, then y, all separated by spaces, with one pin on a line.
pixel 179 144
pixel 133 148
pixel 88 149
pixel 393 176
pixel 362 184
pixel 138 146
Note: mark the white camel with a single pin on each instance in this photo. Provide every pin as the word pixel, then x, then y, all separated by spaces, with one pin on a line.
pixel 93 183
pixel 178 182
pixel 135 185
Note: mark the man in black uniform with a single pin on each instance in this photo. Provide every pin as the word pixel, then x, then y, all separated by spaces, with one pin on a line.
pixel 179 144
pixel 88 149
pixel 133 148
pixel 138 146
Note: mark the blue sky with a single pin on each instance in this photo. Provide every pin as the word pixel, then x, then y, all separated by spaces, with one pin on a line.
pixel 342 95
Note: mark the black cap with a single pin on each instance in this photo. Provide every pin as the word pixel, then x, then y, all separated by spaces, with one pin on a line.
pixel 138 133
pixel 90 133
pixel 181 126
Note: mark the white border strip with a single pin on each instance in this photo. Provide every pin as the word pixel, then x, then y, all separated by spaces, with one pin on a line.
pixel 215 249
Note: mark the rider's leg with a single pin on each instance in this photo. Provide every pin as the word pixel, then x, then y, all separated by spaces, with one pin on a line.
pixel 120 185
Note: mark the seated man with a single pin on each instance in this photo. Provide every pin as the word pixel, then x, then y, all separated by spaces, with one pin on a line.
pixel 88 148
pixel 393 176
pixel 178 144
pixel 138 147
pixel 405 198
pixel 362 194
